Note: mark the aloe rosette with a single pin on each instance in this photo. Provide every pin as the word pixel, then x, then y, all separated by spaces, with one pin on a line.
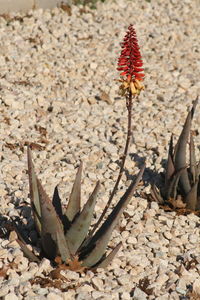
pixel 181 187
pixel 65 234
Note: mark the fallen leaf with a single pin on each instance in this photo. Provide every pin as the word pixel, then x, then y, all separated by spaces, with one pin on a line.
pixel 143 285
pixel 105 97
pixel 75 264
pixel 67 8
pixel 3 272
pixel 177 203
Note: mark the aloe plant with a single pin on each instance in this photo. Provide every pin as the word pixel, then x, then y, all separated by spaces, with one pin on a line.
pixel 181 187
pixel 65 233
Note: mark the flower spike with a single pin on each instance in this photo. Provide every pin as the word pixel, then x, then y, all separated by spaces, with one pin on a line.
pixel 130 63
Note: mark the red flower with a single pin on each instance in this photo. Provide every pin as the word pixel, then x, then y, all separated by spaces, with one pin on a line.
pixel 130 61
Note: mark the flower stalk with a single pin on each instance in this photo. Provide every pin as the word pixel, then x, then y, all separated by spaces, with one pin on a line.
pixel 130 63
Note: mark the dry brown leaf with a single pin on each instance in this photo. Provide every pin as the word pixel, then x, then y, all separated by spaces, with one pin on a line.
pixel 48 282
pixel 6 120
pixel 34 146
pixel 42 130
pixel 177 203
pixel 11 146
pixel 75 265
pixel 55 274
pixel 105 97
pixel 67 8
pixel 193 296
pixel 55 283
pixel 22 82
pixel 72 264
pixel 144 286
pixel 3 272
pixel 43 140
pixel 58 260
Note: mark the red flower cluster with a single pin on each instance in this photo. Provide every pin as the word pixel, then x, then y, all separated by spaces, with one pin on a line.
pixel 130 61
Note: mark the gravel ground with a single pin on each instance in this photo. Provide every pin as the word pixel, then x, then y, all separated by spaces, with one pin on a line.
pixel 59 91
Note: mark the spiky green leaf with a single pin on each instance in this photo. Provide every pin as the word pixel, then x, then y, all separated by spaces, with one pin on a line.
pixel 63 246
pixel 191 198
pixel 74 203
pixel 34 195
pixel 58 207
pixel 171 189
pixel 56 201
pixel 170 164
pixel 180 155
pixel 192 159
pixel 107 260
pixel 198 187
pixel 155 193
pixel 79 228
pixel 180 152
pixel 99 241
pixel 52 234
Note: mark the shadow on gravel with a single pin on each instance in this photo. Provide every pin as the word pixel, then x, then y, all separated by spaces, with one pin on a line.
pixel 150 176
pixel 4 227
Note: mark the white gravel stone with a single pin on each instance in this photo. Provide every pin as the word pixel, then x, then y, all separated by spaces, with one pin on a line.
pixel 11 296
pixel 196 286
pixel 4 291
pixel 53 296
pixel 139 294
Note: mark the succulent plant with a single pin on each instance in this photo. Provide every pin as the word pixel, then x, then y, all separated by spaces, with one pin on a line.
pixel 181 187
pixel 65 234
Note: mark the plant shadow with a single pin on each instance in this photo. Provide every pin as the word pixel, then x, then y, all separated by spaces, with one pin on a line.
pixel 150 176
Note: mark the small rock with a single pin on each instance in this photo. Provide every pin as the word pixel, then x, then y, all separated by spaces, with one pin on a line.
pixel 69 295
pixel 167 235
pixel 161 279
pixel 93 65
pixel 196 287
pixel 125 296
pixel 54 296
pixel 184 82
pixel 11 296
pixel 91 100
pixel 139 294
pixel 4 291
pixel 71 275
pixel 98 283
pixel 193 238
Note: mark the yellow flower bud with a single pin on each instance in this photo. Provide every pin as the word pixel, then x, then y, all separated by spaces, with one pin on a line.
pixel 133 89
pixel 138 85
pixel 126 84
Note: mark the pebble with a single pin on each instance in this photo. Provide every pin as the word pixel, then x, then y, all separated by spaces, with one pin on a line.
pixel 139 294
pixel 196 286
pixel 98 283
pixel 53 296
pixel 11 296
pixel 161 279
pixel 4 291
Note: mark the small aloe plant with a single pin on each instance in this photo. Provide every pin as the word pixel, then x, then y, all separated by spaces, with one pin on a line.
pixel 65 234
pixel 181 187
